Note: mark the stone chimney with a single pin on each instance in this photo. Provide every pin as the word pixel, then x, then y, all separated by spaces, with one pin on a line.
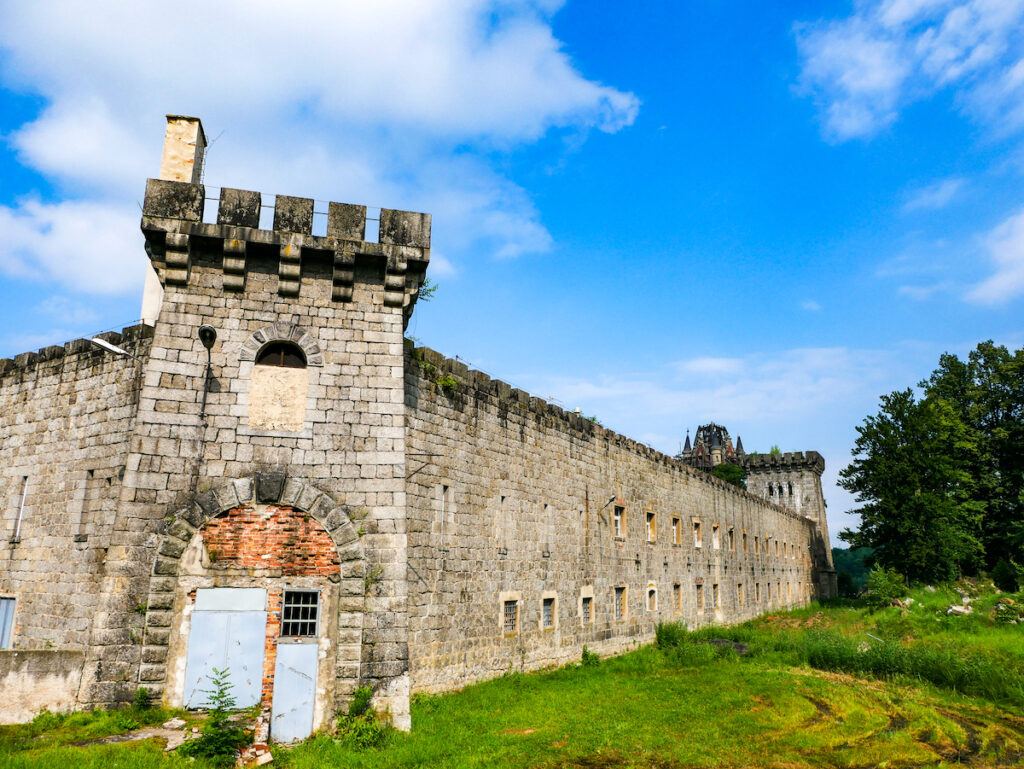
pixel 184 150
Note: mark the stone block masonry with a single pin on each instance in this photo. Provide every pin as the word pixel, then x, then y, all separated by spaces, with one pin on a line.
pixel 591 537
pixel 325 497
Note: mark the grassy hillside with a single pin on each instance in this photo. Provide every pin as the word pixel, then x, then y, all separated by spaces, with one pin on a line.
pixel 836 687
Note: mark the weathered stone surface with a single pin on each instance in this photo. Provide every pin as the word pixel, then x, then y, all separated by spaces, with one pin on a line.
pixel 174 200
pixel 346 221
pixel 293 214
pixel 240 208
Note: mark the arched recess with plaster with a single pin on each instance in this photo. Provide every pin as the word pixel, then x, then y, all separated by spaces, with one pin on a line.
pixel 277 399
pixel 317 549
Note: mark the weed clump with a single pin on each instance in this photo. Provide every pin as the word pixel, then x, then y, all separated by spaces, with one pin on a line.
pixel 360 727
pixel 590 659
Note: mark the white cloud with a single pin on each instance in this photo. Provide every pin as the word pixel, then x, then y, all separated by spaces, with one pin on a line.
pixel 865 68
pixel 810 305
pixel 710 366
pixel 933 196
pixel 90 247
pixel 1005 245
pixel 389 103
pixel 754 388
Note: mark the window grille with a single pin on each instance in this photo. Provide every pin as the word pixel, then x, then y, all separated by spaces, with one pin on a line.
pixel 511 616
pixel 299 618
pixel 620 603
pixel 586 608
pixel 619 515
pixel 548 612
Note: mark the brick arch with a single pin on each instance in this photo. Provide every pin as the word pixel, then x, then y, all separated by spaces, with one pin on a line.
pixel 261 488
pixel 282 332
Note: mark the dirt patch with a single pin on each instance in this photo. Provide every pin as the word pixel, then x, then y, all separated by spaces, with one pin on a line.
pixel 519 732
pixel 173 737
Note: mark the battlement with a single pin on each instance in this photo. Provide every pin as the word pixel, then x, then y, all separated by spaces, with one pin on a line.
pixel 431 364
pixel 172 222
pixel 804 460
pixel 131 338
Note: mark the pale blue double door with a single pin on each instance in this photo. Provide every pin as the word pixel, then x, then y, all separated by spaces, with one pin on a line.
pixel 228 633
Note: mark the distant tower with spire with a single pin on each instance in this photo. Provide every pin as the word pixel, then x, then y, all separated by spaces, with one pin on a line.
pixel 711 446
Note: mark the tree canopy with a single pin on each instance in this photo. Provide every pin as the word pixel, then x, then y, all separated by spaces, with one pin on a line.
pixel 940 476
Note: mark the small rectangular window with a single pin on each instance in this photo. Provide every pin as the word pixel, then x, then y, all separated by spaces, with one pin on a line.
pixel 675 532
pixel 697 541
pixel 739 593
pixel 586 609
pixel 620 521
pixel 757 546
pixel 547 612
pixel 714 597
pixel 620 603
pixel 715 538
pixel 732 540
pixel 6 622
pixel 677 597
pixel 299 617
pixel 510 619
pixel 746 544
pixel 651 528
pixel 757 592
pixel 652 599
pixel 700 596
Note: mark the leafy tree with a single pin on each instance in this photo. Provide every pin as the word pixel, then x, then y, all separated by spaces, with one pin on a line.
pixel 986 393
pixel 911 474
pixel 853 564
pixel 733 474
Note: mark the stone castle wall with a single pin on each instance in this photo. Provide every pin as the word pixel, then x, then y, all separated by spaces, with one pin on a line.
pixel 66 415
pixel 511 498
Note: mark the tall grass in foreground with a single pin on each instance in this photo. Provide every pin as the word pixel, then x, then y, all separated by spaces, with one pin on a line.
pixel 967 671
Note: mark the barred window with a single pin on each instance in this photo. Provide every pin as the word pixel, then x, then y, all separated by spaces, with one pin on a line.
pixel 586 608
pixel 620 603
pixel 547 611
pixel 511 616
pixel 299 618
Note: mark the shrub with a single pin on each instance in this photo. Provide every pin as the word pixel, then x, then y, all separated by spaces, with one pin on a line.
pixel 221 739
pixel 1005 577
pixel 45 721
pixel 590 659
pixel 885 586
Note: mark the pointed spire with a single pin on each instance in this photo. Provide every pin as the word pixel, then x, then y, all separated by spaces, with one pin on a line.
pixel 739 446
pixel 686 446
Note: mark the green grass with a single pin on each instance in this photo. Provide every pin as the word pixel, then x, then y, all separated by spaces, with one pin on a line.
pixel 814 691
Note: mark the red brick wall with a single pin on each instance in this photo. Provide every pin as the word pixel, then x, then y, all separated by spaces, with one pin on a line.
pixel 277 538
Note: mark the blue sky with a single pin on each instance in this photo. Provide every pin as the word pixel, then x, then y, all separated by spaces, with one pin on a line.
pixel 763 214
